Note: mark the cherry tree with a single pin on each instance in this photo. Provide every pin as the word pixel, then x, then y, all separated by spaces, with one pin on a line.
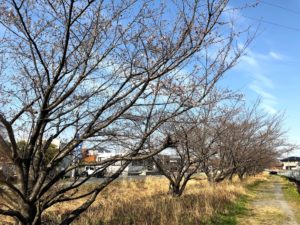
pixel 107 71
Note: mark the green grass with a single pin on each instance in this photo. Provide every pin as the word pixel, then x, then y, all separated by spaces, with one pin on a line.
pixel 290 191
pixel 291 194
pixel 253 186
pixel 237 208
pixel 234 210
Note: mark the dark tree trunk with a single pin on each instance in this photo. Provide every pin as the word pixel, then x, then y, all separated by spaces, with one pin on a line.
pixel 31 215
pixel 231 177
pixel 241 176
pixel 175 190
pixel 209 177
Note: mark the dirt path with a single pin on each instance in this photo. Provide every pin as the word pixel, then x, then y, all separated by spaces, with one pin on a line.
pixel 268 206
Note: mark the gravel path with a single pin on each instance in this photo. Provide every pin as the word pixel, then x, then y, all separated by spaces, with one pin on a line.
pixel 269 206
pixel 283 204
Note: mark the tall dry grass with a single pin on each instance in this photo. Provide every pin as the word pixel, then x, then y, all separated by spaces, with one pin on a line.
pixel 146 202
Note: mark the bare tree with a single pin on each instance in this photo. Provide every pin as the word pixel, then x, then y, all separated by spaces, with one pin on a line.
pixel 181 162
pixel 195 134
pixel 265 147
pixel 105 71
pixel 250 142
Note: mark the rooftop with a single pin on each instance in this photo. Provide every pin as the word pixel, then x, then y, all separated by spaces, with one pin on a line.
pixel 291 159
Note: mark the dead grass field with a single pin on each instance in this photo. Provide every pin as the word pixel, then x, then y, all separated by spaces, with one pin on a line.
pixel 146 202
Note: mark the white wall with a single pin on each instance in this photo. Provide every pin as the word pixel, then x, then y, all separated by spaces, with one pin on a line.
pixel 294 165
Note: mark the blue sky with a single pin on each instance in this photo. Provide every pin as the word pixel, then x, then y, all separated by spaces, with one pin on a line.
pixel 271 68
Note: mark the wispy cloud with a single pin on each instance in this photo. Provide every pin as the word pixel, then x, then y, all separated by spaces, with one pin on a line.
pixel 255 65
pixel 269 101
pixel 250 61
pixel 262 92
pixel 263 79
pixel 276 56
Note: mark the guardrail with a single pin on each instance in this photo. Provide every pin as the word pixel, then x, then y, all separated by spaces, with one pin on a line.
pixel 292 174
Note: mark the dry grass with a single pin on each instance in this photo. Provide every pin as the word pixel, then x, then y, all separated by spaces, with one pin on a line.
pixel 266 215
pixel 146 202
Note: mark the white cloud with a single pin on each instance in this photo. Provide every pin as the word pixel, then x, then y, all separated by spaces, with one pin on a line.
pixel 261 92
pixel 251 65
pixel 269 109
pixel 264 80
pixel 269 101
pixel 276 56
pixel 256 66
pixel 250 60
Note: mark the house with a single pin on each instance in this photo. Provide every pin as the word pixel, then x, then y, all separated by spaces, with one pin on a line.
pixel 141 167
pixel 291 163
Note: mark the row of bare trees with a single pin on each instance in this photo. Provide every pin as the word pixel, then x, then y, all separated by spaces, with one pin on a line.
pixel 222 140
pixel 115 72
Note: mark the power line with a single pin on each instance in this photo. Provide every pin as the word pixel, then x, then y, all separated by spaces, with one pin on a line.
pixel 280 7
pixel 272 23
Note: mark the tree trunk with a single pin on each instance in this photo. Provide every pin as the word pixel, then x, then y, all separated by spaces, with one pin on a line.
pixel 31 215
pixel 231 177
pixel 219 178
pixel 175 190
pixel 209 176
pixel 241 176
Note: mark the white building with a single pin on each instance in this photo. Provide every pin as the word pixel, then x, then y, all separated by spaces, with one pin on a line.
pixel 291 163
pixel 142 167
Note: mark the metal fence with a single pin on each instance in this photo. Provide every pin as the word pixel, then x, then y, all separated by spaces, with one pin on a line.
pixel 293 174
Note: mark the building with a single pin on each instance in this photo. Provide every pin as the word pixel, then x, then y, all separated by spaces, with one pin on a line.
pixel 291 163
pixel 141 167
